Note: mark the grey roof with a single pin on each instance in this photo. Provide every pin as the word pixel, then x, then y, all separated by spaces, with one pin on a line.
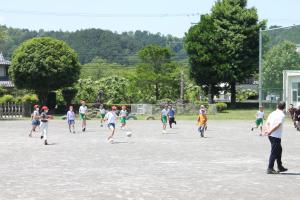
pixel 3 61
pixel 7 84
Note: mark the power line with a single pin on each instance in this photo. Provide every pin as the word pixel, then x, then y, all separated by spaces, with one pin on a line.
pixel 98 15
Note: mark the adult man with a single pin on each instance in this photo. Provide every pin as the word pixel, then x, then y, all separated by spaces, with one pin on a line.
pixel 274 131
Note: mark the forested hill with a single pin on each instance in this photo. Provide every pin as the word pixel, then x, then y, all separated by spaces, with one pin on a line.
pixel 90 43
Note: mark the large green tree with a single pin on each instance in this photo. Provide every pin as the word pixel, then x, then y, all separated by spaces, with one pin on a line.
pixel 237 28
pixel 282 56
pixel 44 64
pixel 156 71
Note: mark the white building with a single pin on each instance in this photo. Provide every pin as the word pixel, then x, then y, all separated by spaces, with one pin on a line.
pixel 291 87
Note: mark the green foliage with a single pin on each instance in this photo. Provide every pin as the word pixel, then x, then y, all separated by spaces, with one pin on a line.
pixel 87 90
pixel 69 94
pixel 221 107
pixel 6 98
pixel 3 91
pixel 223 46
pixel 157 76
pixel 90 43
pixel 282 56
pixel 30 98
pixel 43 65
pixel 245 94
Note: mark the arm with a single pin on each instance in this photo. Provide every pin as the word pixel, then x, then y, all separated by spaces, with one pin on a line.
pixel 269 132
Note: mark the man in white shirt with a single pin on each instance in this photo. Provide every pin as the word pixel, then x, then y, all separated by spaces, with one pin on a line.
pixel 274 131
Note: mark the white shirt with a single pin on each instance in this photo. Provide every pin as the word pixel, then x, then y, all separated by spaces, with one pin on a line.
pixel 260 115
pixel 123 113
pixel 102 111
pixel 164 112
pixel 275 118
pixel 83 109
pixel 111 117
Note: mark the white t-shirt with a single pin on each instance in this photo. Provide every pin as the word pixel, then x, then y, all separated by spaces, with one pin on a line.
pixel 123 113
pixel 83 109
pixel 102 111
pixel 275 118
pixel 111 117
pixel 260 115
pixel 164 112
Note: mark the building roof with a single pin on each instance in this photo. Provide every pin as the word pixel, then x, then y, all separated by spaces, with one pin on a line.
pixel 6 84
pixel 3 61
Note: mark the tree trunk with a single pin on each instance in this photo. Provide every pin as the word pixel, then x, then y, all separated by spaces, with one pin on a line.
pixel 156 92
pixel 42 97
pixel 210 95
pixel 233 93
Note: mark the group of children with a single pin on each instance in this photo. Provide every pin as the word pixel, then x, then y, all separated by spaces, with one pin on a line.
pixel 40 120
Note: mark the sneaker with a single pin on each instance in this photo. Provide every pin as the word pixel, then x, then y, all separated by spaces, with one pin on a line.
pixel 282 169
pixel 164 131
pixel 74 132
pixel 30 135
pixel 83 130
pixel 42 137
pixel 101 125
pixel 46 143
pixel 251 129
pixel 271 171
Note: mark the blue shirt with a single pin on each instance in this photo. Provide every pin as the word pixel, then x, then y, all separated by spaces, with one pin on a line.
pixel 171 113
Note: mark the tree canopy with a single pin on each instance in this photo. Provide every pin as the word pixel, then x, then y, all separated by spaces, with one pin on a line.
pixel 44 64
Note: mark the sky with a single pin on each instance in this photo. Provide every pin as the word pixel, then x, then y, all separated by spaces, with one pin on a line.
pixel 165 16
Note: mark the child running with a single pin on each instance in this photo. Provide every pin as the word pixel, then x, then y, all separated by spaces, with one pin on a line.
pixel 123 116
pixel 35 117
pixel 82 113
pixel 260 115
pixel 164 118
pixel 102 114
pixel 71 119
pixel 171 114
pixel 44 123
pixel 111 117
pixel 202 120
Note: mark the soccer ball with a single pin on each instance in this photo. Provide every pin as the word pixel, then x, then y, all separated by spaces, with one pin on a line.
pixel 128 134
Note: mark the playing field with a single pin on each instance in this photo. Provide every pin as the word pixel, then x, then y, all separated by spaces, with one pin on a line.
pixel 230 163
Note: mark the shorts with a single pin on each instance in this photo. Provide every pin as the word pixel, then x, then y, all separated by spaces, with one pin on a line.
pixel 259 122
pixel 35 122
pixel 123 120
pixel 111 125
pixel 82 116
pixel 102 116
pixel 71 122
pixel 164 119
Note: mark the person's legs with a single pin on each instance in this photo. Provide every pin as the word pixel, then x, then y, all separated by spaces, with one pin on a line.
pixel 273 155
pixel 279 154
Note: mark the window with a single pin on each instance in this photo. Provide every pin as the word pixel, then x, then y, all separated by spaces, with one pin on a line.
pixel 2 71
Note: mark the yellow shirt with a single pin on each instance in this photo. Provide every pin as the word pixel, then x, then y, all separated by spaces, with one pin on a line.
pixel 202 119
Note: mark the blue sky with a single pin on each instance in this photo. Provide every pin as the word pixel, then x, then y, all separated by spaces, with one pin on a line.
pixel 14 13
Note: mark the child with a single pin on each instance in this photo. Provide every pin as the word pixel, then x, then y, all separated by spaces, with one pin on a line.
pixel 44 123
pixel 164 118
pixel 71 119
pixel 35 117
pixel 123 115
pixel 203 110
pixel 171 114
pixel 102 114
pixel 202 119
pixel 260 115
pixel 111 117
pixel 82 113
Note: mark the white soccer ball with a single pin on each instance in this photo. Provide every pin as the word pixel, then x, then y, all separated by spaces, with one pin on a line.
pixel 128 134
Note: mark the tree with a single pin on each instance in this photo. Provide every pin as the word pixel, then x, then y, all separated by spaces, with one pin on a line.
pixel 69 94
pixel 238 35
pixel 282 56
pixel 44 64
pixel 202 48
pixel 155 71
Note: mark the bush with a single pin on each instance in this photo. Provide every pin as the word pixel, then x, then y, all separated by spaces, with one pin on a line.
pixel 6 98
pixel 30 98
pixel 221 106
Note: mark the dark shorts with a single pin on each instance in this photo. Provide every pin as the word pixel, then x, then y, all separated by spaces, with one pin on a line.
pixel 111 125
pixel 35 122
pixel 71 122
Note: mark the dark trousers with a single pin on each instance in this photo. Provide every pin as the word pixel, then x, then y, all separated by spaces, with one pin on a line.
pixel 276 152
pixel 171 121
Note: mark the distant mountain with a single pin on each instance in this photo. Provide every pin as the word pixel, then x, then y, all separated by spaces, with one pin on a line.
pixel 90 43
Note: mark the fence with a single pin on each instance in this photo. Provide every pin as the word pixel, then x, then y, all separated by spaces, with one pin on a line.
pixel 11 110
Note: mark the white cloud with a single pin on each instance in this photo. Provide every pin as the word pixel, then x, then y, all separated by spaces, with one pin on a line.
pixel 1 19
